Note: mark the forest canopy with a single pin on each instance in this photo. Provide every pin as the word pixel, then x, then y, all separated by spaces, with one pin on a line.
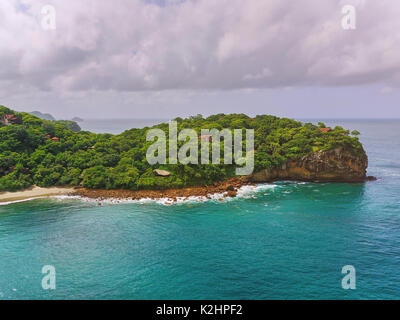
pixel 56 153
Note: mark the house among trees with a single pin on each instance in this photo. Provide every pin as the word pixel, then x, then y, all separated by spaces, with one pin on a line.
pixel 162 173
pixel 206 137
pixel 325 129
pixel 8 119
pixel 48 137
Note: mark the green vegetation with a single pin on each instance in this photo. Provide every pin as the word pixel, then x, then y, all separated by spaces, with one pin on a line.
pixel 49 153
pixel 43 116
pixel 69 124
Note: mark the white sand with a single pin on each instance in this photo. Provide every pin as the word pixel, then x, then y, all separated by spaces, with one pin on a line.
pixel 35 192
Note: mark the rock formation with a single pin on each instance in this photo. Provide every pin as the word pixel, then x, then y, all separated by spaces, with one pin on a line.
pixel 333 165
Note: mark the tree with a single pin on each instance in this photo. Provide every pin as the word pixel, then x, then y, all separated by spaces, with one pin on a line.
pixel 29 156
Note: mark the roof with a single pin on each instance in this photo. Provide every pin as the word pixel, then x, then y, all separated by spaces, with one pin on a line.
pixel 163 173
pixel 325 129
pixel 206 137
pixel 55 138
pixel 10 117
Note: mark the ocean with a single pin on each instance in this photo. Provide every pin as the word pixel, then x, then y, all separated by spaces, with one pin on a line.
pixel 284 240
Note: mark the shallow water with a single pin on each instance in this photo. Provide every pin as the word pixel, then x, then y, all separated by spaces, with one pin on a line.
pixel 286 240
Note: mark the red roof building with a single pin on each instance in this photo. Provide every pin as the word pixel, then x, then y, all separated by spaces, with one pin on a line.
pixel 325 129
pixel 8 119
pixel 206 138
pixel 55 139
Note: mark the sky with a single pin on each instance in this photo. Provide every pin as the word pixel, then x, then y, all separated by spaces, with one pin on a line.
pixel 168 58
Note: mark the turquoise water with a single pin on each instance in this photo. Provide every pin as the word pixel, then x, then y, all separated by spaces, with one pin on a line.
pixel 284 241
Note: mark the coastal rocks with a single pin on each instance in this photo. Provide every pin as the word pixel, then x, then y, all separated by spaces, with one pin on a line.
pixel 226 188
pixel 333 165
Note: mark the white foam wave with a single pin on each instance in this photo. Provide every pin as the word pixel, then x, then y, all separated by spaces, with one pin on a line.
pixel 248 191
pixel 161 201
pixel 251 190
pixel 18 201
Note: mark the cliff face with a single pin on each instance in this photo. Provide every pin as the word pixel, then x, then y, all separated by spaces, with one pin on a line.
pixel 333 165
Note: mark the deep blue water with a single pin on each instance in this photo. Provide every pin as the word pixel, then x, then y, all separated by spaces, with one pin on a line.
pixel 286 241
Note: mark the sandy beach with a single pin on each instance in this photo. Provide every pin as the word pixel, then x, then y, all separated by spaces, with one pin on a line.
pixel 35 192
pixel 228 188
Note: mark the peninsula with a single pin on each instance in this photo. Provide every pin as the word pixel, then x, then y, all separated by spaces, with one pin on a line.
pixel 43 153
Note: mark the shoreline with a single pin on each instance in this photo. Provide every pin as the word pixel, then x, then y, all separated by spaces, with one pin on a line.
pixel 34 193
pixel 227 188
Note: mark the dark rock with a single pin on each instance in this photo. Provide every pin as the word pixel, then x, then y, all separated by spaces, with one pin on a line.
pixel 333 165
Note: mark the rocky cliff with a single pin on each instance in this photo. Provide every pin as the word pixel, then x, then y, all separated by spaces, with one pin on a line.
pixel 334 165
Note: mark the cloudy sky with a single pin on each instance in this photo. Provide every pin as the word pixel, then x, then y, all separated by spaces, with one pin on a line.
pixel 167 58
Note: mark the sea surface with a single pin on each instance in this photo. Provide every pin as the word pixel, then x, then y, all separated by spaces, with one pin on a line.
pixel 284 240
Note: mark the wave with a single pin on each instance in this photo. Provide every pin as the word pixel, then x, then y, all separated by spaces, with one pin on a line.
pixel 251 191
pixel 21 200
pixel 161 201
pixel 244 192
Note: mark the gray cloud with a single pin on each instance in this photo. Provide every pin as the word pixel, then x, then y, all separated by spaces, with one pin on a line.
pixel 126 45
